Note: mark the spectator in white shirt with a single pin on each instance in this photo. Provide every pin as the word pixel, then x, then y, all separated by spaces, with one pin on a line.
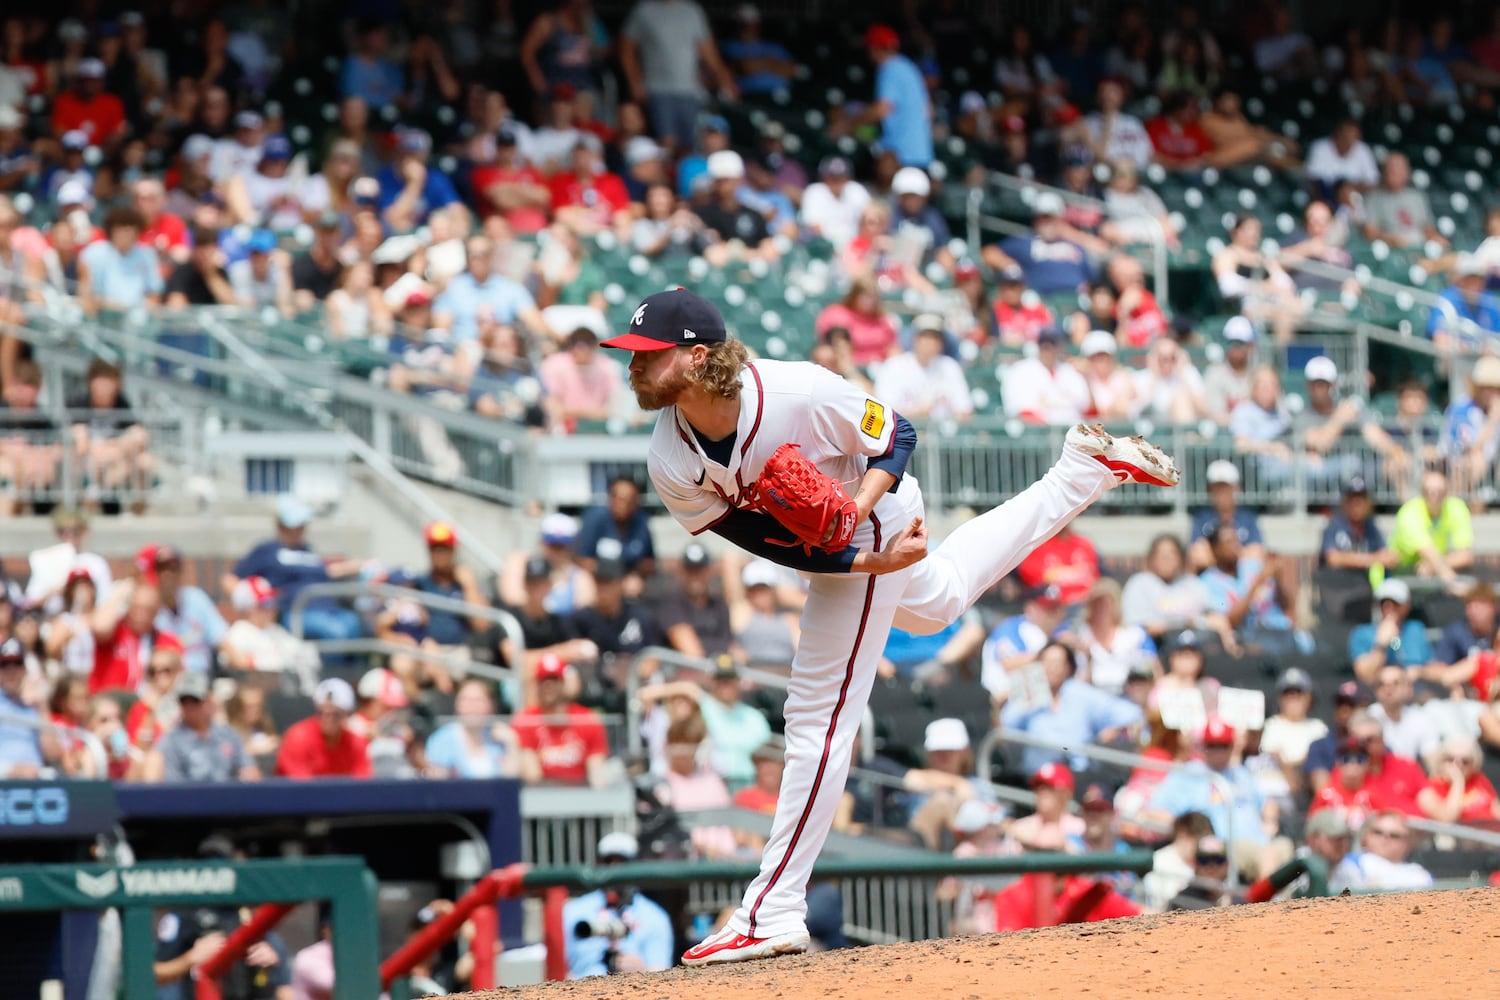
pixel 1285 52
pixel 924 383
pixel 831 207
pixel 240 152
pixel 1169 389
pixel 1342 156
pixel 1111 388
pixel 1381 861
pixel 1405 726
pixel 1045 389
pixel 1288 734
pixel 1113 134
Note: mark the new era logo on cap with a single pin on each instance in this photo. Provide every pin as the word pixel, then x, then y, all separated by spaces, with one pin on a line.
pixel 671 319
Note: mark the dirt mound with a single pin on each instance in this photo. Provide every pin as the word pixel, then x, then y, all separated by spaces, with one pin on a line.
pixel 1436 944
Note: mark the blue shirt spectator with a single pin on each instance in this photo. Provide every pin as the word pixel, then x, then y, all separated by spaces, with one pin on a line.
pixel 468 294
pixel 620 530
pixel 194 619
pixel 1480 308
pixel 443 627
pixel 1225 590
pixel 1342 535
pixel 906 128
pixel 1076 716
pixel 649 938
pixel 121 280
pixel 763 82
pixel 1205 523
pixel 1051 266
pixel 907 649
pixel 1409 649
pixel 1191 788
pixel 20 746
pixel 1459 641
pixel 368 74
pixel 437 189
pixel 1464 423
pixel 288 567
pixel 448 749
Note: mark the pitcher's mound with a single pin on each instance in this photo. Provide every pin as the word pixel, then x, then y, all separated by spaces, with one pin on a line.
pixel 1435 944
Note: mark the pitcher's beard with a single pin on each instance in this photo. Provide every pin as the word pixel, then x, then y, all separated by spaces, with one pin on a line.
pixel 663 394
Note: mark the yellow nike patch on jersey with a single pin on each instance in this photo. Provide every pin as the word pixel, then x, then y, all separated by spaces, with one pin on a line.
pixel 874 420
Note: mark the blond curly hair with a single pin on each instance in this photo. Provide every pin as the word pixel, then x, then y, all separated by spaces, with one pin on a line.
pixel 719 375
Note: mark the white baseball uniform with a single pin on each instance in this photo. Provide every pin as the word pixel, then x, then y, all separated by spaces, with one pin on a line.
pixel 848 616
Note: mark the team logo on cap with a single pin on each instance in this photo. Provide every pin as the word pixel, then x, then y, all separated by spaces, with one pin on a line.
pixel 640 315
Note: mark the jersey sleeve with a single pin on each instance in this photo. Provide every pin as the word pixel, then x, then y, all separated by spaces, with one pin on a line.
pixel 695 508
pixel 848 420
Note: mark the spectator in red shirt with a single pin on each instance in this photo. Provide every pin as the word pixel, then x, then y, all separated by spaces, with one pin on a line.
pixel 561 741
pixel 1459 792
pixel 323 745
pixel 1139 319
pixel 155 708
pixel 1017 318
pixel 1349 791
pixel 761 794
pixel 1394 780
pixel 124 634
pixel 163 232
pixel 586 197
pixel 1179 141
pixel 87 107
pixel 1078 900
pixel 1067 561
pixel 510 188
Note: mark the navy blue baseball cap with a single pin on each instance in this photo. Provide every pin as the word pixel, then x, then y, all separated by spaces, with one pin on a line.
pixel 276 147
pixel 674 318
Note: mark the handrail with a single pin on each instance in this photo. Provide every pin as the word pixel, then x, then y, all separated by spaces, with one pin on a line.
pixel 1458 831
pixel 1385 286
pixel 1105 755
pixel 455 662
pixel 662 654
pixel 93 743
pixel 502 882
pixel 977 220
pixel 437 602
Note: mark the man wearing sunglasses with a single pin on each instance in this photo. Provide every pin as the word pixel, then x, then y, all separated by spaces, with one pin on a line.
pixel 1381 861
pixel 1209 886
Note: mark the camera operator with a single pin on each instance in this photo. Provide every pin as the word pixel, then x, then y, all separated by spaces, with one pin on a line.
pixel 616 930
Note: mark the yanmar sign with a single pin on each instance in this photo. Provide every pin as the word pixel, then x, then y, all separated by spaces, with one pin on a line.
pixel 151 882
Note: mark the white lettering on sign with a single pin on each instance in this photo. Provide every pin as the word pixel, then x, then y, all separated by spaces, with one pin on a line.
pixel 12 890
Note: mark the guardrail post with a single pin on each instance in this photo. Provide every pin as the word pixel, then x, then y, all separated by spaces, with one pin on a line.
pixel 554 935
pixel 1043 898
pixel 137 952
pixel 485 947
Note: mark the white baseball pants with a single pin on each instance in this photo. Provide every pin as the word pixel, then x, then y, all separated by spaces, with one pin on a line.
pixel 844 628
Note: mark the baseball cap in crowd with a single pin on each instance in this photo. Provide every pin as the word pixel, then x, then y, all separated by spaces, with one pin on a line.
pixel 747 13
pixel 925 322
pixel 608 570
pixel 563 91
pixel 1099 342
pixel 674 318
pixel 538 568
pixel 1393 590
pixel 713 123
pixel 75 139
pixel 276 147
pixel 1011 274
pixel 1067 114
pixel 1239 330
pixel 253 592
pixel 760 573
pixel 559 529
pixel 1486 373
pixel 880 36
pixel 771 750
pixel 261 241
pixel 292 512
pixel 1077 155
pixel 1096 799
pixel 1328 823
pixel 150 558
pixel 1053 775
pixel 440 533
pixel 337 691
pixel 1356 487
pixel 1014 125
pixel 1469 265
pixel 384 686
pixel 833 166
pixel 1321 369
pixel 365 191
pixel 197 147
pixel 1221 471
pixel 965 269
pixel 695 556
pixel 551 667
pixel 972 102
pixel 249 119
pixel 618 844
pixel 642 149
pixel 414 140
pixel 1046 204
pixel 911 180
pixel 72 30
pixel 945 734
pixel 90 69
pixel 1211 850
pixel 1052 335
pixel 1352 693
pixel 1217 733
pixel 11 651
pixel 1141 672
pixel 191 685
pixel 1294 679
pixel 10 118
pixel 726 165
pixel 505 135
pixel 1187 639
pixel 1049 594
pixel 974 816
pixel 132 19
pixel 725 668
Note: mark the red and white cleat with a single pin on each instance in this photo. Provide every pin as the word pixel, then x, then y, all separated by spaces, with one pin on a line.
pixel 1132 459
pixel 726 946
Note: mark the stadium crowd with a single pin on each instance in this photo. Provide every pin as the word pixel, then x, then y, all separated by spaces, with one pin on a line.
pixel 146 170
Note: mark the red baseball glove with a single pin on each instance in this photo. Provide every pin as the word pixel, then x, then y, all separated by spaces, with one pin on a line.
pixel 810 505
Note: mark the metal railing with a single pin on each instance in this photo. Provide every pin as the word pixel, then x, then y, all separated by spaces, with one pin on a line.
pixel 91 742
pixel 85 454
pixel 437 602
pixel 1104 755
pixel 563 826
pixel 671 657
pixel 1028 190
